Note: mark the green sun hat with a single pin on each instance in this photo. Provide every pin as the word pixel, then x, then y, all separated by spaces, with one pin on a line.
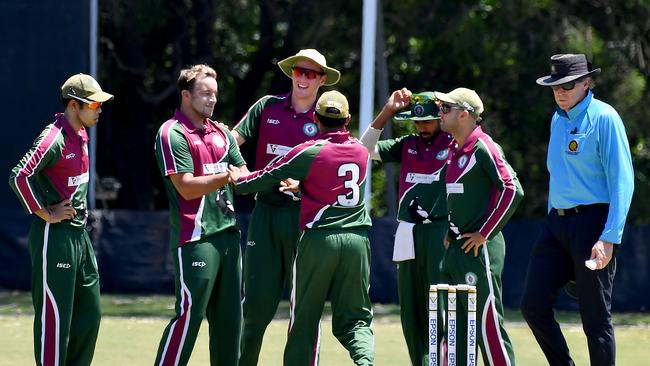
pixel 422 107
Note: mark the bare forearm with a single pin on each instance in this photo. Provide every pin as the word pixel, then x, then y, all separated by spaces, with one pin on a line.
pixel 382 118
pixel 191 187
pixel 239 138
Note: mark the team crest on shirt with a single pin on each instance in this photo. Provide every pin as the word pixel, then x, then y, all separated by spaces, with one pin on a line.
pixel 471 278
pixel 310 129
pixel 218 141
pixel 462 161
pixel 442 154
pixel 573 146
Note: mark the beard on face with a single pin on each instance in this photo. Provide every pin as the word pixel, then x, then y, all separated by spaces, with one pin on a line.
pixel 202 108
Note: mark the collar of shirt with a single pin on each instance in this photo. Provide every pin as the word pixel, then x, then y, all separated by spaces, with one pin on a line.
pixel 578 109
pixel 70 132
pixel 439 138
pixel 208 127
pixel 335 136
pixel 470 141
pixel 287 105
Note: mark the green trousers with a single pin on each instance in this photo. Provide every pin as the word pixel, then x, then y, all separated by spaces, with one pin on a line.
pixel 268 257
pixel 413 279
pixel 483 271
pixel 208 282
pixel 65 293
pixel 332 262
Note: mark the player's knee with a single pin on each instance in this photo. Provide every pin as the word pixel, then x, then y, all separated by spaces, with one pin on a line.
pixel 531 308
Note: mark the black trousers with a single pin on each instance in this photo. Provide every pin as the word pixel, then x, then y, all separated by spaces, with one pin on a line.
pixel 558 257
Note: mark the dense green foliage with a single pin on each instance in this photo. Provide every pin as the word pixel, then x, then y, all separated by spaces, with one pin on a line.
pixel 496 47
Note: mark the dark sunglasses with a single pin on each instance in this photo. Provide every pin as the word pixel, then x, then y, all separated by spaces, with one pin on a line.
pixel 446 108
pixel 309 74
pixel 566 86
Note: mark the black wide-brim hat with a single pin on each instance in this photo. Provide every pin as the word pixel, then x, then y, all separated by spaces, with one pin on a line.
pixel 566 68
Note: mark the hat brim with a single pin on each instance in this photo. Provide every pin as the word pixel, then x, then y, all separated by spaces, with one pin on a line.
pixel 443 97
pixel 550 80
pixel 404 116
pixel 333 75
pixel 100 96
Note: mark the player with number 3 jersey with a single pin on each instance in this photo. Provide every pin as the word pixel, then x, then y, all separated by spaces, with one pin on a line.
pixel 333 255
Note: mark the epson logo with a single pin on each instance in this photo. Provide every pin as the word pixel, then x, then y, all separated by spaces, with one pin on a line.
pixel 273 121
pixel 70 156
pixel 63 265
pixel 198 264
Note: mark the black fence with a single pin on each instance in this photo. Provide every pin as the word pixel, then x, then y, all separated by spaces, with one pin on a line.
pixel 133 256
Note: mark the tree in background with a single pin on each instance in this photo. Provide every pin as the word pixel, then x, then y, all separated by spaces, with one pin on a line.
pixel 495 47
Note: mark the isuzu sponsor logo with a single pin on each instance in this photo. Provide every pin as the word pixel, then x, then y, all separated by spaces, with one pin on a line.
pixel 78 180
pixel 456 188
pixel 250 243
pixel 214 168
pixel 412 152
pixel 422 178
pixel 272 121
pixel 199 264
pixel 63 265
pixel 278 150
pixel 70 156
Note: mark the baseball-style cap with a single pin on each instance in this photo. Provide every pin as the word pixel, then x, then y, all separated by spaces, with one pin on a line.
pixel 462 97
pixel 84 86
pixel 333 104
pixel 422 107
pixel 333 75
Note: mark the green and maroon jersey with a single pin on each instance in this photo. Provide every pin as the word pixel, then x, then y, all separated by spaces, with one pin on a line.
pixel 421 181
pixel 332 171
pixel 183 148
pixel 275 127
pixel 482 189
pixel 55 168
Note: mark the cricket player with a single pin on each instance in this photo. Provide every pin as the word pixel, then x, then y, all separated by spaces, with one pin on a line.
pixel 482 194
pixel 193 154
pixel 274 125
pixel 422 213
pixel 51 181
pixel 333 254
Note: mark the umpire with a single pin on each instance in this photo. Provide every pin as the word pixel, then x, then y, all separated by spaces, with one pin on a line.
pixel 590 189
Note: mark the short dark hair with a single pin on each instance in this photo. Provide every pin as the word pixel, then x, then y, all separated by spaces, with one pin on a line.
pixel 331 122
pixel 65 101
pixel 189 76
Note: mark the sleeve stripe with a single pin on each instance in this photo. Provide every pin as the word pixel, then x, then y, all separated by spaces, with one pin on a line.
pixel 507 196
pixel 166 148
pixel 21 180
pixel 262 99
pixel 296 151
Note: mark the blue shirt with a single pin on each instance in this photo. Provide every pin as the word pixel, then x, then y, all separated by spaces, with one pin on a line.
pixel 589 161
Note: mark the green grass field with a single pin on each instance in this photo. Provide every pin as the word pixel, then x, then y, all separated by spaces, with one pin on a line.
pixel 132 326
